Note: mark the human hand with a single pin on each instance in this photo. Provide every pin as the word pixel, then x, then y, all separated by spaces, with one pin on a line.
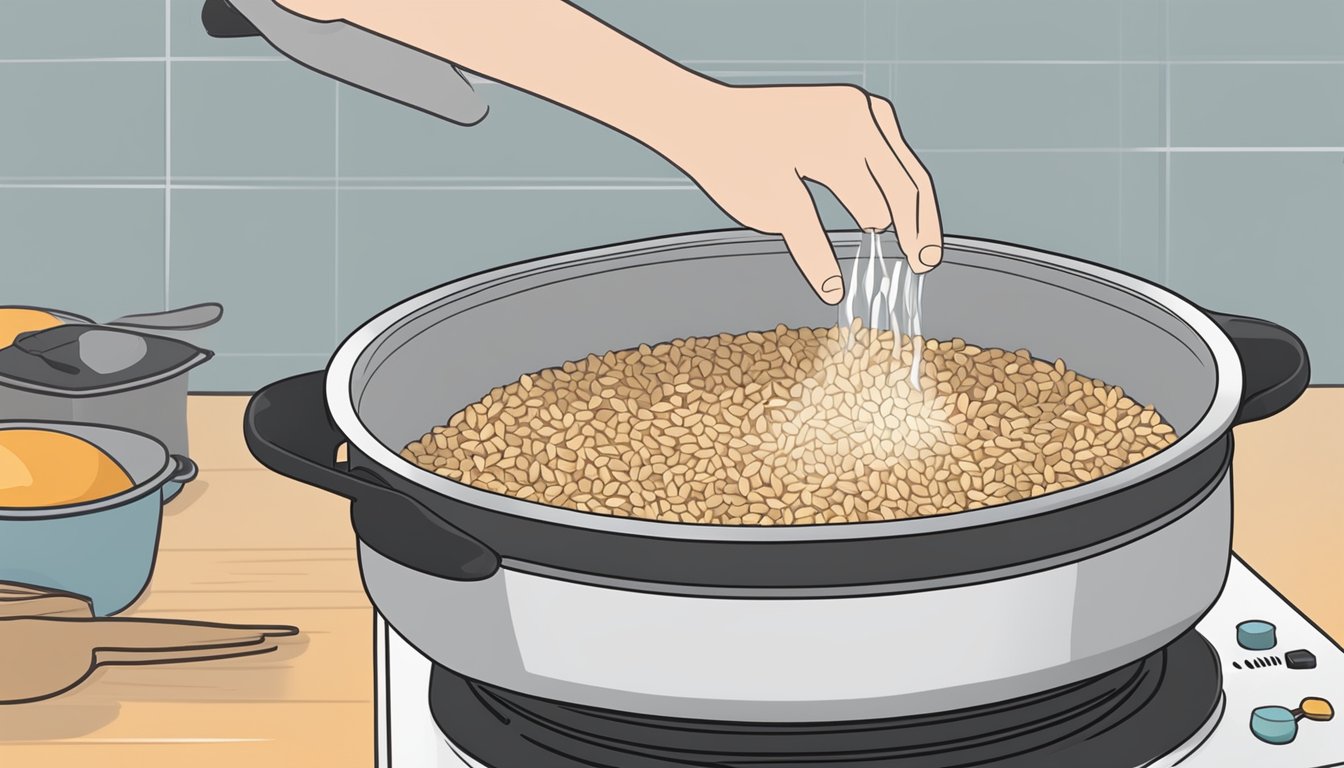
pixel 750 148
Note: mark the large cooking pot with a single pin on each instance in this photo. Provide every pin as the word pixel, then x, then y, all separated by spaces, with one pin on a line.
pixel 801 623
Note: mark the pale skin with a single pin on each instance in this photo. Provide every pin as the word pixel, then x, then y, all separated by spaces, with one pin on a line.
pixel 749 148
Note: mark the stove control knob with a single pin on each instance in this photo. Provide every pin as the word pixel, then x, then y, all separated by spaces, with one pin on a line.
pixel 1316 709
pixel 1256 635
pixel 1300 659
pixel 1278 725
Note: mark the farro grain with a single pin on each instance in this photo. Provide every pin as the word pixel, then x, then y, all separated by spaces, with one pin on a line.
pixel 791 427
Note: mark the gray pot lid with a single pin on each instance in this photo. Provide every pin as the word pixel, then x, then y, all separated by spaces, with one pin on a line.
pixel 84 360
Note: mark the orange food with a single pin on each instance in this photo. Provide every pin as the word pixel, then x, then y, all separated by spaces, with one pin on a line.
pixel 42 468
pixel 15 321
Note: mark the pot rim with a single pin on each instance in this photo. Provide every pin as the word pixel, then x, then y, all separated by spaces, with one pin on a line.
pixel 1214 422
pixel 169 468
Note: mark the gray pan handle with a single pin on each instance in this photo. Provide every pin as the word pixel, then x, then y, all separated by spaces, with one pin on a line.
pixel 354 56
pixel 189 318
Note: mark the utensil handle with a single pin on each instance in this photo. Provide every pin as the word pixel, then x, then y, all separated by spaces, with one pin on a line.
pixel 288 429
pixel 221 19
pixel 1274 363
pixel 189 318
pixel 184 471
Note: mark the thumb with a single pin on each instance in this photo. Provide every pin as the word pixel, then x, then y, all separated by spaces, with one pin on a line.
pixel 811 250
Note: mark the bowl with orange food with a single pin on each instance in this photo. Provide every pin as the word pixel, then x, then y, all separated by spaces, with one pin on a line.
pixel 81 507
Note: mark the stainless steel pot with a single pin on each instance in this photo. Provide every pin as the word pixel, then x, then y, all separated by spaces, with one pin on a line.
pixel 801 623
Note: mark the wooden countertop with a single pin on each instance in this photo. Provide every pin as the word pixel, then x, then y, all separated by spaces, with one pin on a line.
pixel 243 545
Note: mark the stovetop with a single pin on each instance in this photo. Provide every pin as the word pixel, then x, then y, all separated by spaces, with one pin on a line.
pixel 408 735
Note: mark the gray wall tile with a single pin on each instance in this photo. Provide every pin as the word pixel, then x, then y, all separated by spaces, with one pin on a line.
pixel 81 29
pixel 1142 105
pixel 1065 202
pixel 81 120
pixel 394 244
pixel 267 256
pixel 189 37
pixel 248 373
pixel 1143 210
pixel 1021 29
pixel 880 30
pixel 95 252
pixel 1143 28
pixel 252 119
pixel 880 79
pixel 833 214
pixel 1260 234
pixel 535 172
pixel 739 30
pixel 1257 29
pixel 1264 105
pixel 993 106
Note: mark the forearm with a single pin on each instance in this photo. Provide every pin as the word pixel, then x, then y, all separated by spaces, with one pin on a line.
pixel 554 50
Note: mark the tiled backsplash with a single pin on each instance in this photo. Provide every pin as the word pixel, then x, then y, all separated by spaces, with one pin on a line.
pixel 1199 143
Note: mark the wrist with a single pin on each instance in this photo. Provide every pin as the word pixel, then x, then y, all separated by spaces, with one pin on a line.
pixel 669 115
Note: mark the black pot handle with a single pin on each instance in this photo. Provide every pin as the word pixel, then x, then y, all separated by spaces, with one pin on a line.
pixel 288 429
pixel 1274 365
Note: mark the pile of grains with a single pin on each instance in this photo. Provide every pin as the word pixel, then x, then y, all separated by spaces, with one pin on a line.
pixel 793 426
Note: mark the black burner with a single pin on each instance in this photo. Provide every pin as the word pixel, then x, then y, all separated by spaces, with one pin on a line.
pixel 1121 719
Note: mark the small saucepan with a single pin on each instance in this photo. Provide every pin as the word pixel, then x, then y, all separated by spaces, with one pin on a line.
pixel 103 549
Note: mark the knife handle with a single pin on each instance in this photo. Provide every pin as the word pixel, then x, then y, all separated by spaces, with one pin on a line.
pixel 222 20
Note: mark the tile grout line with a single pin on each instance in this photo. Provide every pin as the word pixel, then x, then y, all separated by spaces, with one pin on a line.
pixel 895 51
pixel 1120 142
pixel 747 62
pixel 336 229
pixel 376 188
pixel 1166 158
pixel 863 44
pixel 270 354
pixel 167 152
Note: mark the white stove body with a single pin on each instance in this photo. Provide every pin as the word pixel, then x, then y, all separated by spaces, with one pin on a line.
pixel 408 737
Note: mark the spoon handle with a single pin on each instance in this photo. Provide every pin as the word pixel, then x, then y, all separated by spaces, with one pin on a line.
pixel 137 658
pixel 135 634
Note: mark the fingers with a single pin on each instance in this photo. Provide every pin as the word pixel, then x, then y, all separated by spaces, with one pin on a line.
pixel 908 190
pixel 109 658
pixel 811 248
pixel 862 197
pixel 163 634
